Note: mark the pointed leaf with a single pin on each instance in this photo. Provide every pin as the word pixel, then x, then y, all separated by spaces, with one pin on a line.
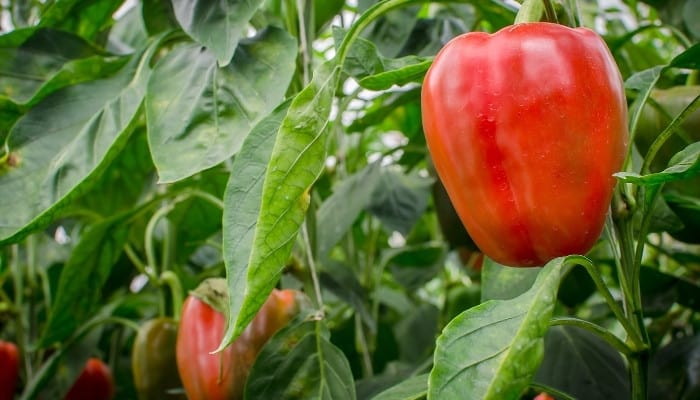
pixel 63 144
pixel 500 282
pixel 86 18
pixel 299 362
pixel 685 164
pixel 243 196
pixel 400 199
pixel 217 25
pixel 199 114
pixel 492 351
pixel 297 160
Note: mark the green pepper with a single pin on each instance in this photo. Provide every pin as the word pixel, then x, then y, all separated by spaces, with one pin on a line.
pixel 153 361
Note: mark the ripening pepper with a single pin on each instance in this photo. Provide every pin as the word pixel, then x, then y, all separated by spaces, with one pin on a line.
pixel 9 370
pixel 526 128
pixel 153 361
pixel 222 376
pixel 95 382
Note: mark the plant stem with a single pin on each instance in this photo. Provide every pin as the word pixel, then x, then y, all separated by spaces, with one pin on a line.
pixel 171 279
pixel 603 333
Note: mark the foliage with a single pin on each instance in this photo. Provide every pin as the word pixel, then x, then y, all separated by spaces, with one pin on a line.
pixel 151 144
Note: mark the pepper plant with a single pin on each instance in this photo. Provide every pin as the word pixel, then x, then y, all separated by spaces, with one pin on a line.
pixel 153 145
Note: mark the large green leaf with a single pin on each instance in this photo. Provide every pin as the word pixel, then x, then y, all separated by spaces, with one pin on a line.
pixel 685 164
pixel 243 197
pixel 199 114
pixel 62 144
pixel 296 162
pixel 583 365
pixel 492 351
pixel 217 25
pixel 299 362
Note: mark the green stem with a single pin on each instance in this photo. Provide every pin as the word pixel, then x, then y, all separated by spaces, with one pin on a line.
pixel 599 331
pixel 612 303
pixel 312 267
pixel 171 279
pixel 531 11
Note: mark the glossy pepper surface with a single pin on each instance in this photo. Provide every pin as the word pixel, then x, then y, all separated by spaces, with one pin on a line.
pixel 95 382
pixel 222 376
pixel 9 370
pixel 153 361
pixel 526 127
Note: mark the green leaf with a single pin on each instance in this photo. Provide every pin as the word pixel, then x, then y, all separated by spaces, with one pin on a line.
pixel 400 199
pixel 217 25
pixel 340 210
pixel 582 365
pixel 398 72
pixel 500 282
pixel 376 72
pixel 341 280
pixel 85 18
pixel 64 143
pixel 299 362
pixel 415 334
pixel 243 197
pixel 492 351
pixel 414 388
pixel 413 266
pixel 297 160
pixel 690 58
pixel 36 62
pixel 79 291
pixel 685 164
pixel 199 114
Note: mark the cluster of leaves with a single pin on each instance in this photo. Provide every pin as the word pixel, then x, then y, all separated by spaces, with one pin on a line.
pixel 280 143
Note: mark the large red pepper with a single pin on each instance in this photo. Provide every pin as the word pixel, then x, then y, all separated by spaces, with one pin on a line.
pixel 526 127
pixel 9 370
pixel 222 376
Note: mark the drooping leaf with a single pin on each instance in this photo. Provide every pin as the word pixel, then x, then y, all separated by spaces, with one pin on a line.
pixel 80 286
pixel 297 160
pixel 243 196
pixel 299 362
pixel 582 365
pixel 340 280
pixel 414 265
pixel 35 62
pixel 62 144
pixel 414 388
pixel 492 351
pixel 217 25
pixel 199 114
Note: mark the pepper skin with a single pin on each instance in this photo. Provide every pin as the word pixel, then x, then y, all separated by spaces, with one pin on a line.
pixel 153 361
pixel 95 382
pixel 9 370
pixel 222 376
pixel 526 128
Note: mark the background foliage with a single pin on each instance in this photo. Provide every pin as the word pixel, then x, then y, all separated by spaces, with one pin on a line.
pixel 279 143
